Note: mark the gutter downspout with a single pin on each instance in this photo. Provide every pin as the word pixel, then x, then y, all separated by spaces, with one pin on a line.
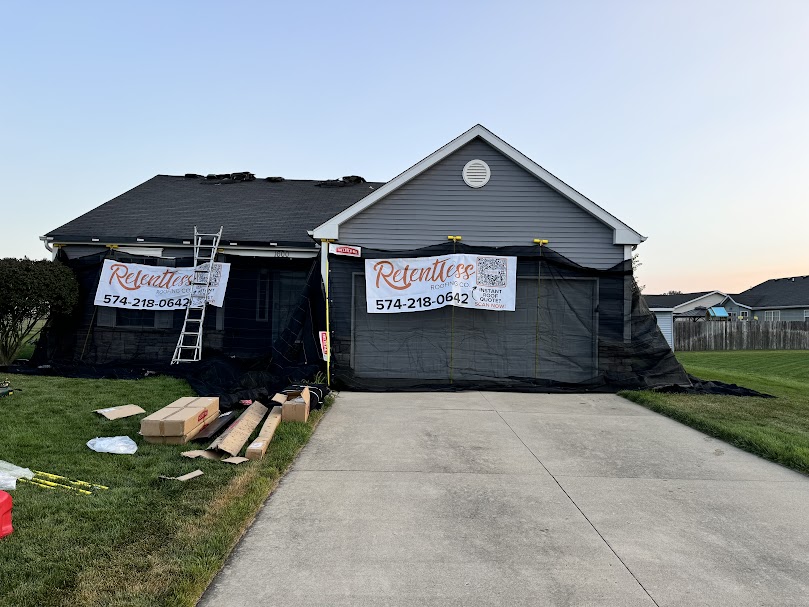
pixel 44 240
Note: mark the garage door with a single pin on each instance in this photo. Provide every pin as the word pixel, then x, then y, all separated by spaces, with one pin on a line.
pixel 555 340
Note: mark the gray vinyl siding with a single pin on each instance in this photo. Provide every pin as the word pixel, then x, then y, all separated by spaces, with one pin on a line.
pixel 733 310
pixel 786 314
pixel 512 209
pixel 666 325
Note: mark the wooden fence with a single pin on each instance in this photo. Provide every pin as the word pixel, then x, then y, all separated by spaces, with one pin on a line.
pixel 741 335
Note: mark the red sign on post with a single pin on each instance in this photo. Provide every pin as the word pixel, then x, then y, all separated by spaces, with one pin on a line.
pixel 324 344
pixel 342 249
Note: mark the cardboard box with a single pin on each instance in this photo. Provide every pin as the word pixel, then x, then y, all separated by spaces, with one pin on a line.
pixel 259 446
pixel 181 417
pixel 294 405
pixel 174 440
pixel 234 438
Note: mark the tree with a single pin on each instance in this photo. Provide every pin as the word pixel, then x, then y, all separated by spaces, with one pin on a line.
pixel 30 291
pixel 636 263
pixel 673 293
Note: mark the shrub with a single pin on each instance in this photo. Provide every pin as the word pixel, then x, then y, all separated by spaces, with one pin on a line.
pixel 30 291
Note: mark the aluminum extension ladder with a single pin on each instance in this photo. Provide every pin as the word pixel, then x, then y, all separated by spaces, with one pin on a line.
pixel 189 346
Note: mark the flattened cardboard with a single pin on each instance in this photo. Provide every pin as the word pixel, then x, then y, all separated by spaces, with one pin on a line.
pixel 234 438
pixel 293 410
pixel 180 417
pixel 202 453
pixel 184 477
pixel 120 412
pixel 236 460
pixel 259 446
pixel 216 425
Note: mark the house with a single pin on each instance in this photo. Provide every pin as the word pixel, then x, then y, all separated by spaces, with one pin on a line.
pixel 676 306
pixel 775 299
pixel 517 278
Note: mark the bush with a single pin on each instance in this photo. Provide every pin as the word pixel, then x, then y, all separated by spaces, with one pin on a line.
pixel 31 291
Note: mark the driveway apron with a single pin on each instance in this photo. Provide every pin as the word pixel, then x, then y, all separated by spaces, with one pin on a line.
pixel 486 498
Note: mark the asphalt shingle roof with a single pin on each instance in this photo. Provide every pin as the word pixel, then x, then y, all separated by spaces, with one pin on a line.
pixel 166 209
pixel 777 292
pixel 670 301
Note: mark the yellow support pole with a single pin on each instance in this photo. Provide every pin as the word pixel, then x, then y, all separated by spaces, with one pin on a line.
pixel 325 244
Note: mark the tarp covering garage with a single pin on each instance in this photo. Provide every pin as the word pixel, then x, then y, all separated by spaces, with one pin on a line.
pixel 570 329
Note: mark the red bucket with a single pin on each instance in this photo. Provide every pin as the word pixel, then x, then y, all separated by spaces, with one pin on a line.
pixel 5 514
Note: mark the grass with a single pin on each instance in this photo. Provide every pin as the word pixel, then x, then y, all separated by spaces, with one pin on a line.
pixel 776 429
pixel 145 541
pixel 27 350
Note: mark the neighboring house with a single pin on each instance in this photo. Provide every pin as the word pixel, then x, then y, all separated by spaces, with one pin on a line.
pixel 275 231
pixel 668 308
pixel 775 299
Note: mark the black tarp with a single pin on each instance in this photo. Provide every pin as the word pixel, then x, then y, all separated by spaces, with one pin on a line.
pixel 574 328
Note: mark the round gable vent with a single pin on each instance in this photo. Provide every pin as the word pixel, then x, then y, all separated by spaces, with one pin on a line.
pixel 476 173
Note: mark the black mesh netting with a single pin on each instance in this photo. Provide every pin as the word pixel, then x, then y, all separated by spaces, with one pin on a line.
pixel 574 328
pixel 261 341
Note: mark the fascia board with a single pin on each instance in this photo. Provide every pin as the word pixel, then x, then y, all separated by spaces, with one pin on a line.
pixel 792 307
pixel 741 305
pixel 622 234
pixel 173 245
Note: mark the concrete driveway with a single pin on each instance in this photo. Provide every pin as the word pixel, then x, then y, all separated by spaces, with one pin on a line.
pixel 484 498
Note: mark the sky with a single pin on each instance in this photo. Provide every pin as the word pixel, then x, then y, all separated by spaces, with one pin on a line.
pixel 688 120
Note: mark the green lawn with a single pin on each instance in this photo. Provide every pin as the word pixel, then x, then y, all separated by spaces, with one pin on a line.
pixel 143 542
pixel 777 429
pixel 27 350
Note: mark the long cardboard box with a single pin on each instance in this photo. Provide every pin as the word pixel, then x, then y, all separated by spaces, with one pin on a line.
pixel 183 439
pixel 294 405
pixel 181 417
pixel 234 438
pixel 258 447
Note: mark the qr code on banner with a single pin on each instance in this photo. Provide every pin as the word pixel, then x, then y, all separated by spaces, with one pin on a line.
pixel 216 273
pixel 492 272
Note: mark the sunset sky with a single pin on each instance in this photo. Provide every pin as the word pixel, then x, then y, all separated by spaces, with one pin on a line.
pixel 688 120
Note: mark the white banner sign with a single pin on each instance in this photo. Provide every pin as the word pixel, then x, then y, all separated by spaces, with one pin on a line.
pixel 138 287
pixel 484 282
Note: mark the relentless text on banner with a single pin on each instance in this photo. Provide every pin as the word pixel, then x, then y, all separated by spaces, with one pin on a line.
pixel 484 282
pixel 139 287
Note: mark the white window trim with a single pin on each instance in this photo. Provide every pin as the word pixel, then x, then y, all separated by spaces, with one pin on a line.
pixel 774 315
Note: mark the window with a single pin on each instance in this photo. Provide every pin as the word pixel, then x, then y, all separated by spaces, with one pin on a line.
pixel 806 314
pixel 744 314
pixel 772 315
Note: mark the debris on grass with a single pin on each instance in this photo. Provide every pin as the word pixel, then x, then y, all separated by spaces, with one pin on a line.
pixel 184 477
pixel 234 438
pixel 259 446
pixel 120 445
pixel 120 412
